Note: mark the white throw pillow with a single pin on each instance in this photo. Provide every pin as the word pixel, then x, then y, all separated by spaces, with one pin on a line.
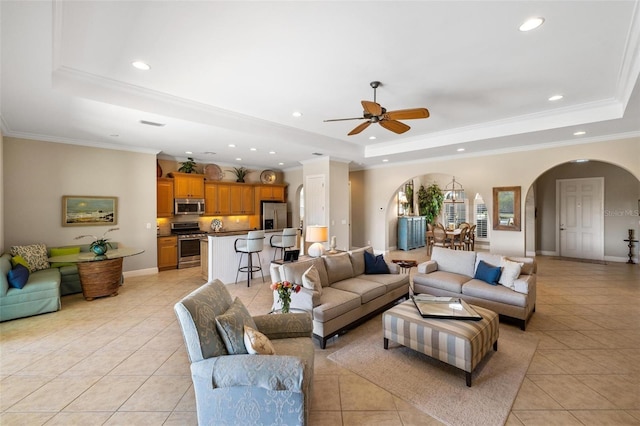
pixel 257 343
pixel 510 272
pixel 311 279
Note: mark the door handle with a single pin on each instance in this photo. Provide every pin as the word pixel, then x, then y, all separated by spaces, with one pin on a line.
pixel 562 227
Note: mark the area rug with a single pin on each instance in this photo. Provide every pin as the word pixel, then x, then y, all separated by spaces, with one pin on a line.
pixel 437 388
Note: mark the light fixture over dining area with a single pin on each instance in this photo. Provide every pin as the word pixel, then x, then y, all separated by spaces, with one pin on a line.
pixel 454 192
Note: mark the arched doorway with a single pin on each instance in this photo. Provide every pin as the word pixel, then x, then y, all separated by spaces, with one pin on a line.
pixel 551 207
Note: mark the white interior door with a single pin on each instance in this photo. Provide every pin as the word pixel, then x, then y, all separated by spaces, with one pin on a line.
pixel 581 218
pixel 314 210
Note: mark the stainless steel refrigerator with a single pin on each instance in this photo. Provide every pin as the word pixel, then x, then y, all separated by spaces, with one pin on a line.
pixel 274 215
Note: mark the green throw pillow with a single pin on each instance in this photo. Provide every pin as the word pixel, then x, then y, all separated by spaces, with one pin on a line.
pixel 63 251
pixel 19 260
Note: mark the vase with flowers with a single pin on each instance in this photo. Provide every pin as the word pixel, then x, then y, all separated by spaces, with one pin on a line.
pixel 99 246
pixel 284 289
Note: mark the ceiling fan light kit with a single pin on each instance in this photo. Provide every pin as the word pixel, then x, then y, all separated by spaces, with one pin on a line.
pixel 375 113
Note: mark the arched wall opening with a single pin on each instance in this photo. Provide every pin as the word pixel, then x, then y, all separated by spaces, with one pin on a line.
pixel 475 198
pixel 618 212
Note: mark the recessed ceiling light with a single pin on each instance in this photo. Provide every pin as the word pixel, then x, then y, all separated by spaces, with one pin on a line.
pixel 252 149
pixel 582 160
pixel 385 160
pixel 372 137
pixel 231 145
pixel 272 152
pixel 152 123
pixel 531 24
pixel 188 152
pixel 297 114
pixel 238 159
pixel 460 149
pixel 556 98
pixel 141 65
pixel 580 133
pixel 280 164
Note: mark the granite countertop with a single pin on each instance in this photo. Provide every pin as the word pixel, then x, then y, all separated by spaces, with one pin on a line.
pixel 232 233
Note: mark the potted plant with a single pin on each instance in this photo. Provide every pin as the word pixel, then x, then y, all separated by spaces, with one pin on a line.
pixel 430 201
pixel 188 166
pixel 240 173
pixel 99 246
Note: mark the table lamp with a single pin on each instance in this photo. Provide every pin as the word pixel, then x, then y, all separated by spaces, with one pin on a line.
pixel 316 235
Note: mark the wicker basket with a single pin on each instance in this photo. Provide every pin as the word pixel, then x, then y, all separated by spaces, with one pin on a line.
pixel 100 278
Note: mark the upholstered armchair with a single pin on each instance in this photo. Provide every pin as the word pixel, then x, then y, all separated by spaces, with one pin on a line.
pixel 233 387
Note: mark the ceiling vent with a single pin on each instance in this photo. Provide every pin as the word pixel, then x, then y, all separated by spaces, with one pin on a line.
pixel 317 153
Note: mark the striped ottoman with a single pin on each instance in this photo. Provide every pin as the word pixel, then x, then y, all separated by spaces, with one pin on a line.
pixel 460 343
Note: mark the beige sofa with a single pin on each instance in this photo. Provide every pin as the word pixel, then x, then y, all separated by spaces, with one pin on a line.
pixel 451 273
pixel 348 295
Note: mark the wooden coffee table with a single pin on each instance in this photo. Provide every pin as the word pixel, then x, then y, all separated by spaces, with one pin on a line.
pixel 405 265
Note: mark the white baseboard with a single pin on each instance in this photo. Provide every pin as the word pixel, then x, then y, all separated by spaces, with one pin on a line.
pixel 620 259
pixel 140 272
pixel 530 254
pixel 547 253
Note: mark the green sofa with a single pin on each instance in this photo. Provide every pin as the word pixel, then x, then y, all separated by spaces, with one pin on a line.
pixel 41 293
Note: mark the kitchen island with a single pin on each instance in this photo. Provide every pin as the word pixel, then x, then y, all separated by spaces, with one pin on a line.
pixel 219 259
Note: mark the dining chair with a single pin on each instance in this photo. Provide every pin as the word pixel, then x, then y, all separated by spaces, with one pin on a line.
pixel 429 237
pixel 471 238
pixel 464 225
pixel 459 240
pixel 440 237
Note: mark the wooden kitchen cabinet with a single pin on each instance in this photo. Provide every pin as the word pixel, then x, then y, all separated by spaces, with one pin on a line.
pixel 242 199
pixel 272 192
pixel 188 185
pixel 164 197
pixel 167 253
pixel 217 199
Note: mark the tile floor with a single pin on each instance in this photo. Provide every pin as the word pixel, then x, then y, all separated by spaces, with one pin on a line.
pixel 121 360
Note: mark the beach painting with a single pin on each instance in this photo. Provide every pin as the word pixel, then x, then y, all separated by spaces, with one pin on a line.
pixel 89 210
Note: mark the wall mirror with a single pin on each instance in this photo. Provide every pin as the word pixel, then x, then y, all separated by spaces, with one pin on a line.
pixel 506 208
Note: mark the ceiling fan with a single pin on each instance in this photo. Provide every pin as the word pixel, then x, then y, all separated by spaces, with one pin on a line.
pixel 374 113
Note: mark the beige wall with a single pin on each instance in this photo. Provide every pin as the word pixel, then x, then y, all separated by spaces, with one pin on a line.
pixel 37 175
pixel 479 174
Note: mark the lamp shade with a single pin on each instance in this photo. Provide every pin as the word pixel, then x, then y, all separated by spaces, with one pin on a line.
pixel 316 235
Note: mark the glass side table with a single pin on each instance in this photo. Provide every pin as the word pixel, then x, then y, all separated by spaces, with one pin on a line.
pixel 99 275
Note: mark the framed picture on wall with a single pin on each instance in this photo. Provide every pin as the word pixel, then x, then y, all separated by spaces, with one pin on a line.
pixel 506 208
pixel 82 210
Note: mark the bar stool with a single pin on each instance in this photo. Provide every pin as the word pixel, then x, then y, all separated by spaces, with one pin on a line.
pixel 284 241
pixel 252 243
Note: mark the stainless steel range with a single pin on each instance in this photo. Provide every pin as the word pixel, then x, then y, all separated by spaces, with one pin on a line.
pixel 189 236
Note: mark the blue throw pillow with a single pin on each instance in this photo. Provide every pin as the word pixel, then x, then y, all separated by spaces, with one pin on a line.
pixel 488 273
pixel 375 264
pixel 18 276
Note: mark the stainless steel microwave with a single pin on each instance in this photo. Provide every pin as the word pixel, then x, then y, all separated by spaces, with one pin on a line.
pixel 189 206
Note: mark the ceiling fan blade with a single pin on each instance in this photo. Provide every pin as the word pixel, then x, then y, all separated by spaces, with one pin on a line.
pixel 372 107
pixel 407 114
pixel 359 128
pixel 394 126
pixel 345 119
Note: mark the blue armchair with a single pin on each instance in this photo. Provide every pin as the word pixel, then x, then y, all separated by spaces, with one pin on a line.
pixel 242 388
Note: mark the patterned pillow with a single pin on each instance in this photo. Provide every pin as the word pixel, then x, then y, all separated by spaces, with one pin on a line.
pixel 231 324
pixel 34 254
pixel 257 343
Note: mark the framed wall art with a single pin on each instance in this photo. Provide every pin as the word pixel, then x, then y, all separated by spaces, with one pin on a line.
pixel 506 208
pixel 82 210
